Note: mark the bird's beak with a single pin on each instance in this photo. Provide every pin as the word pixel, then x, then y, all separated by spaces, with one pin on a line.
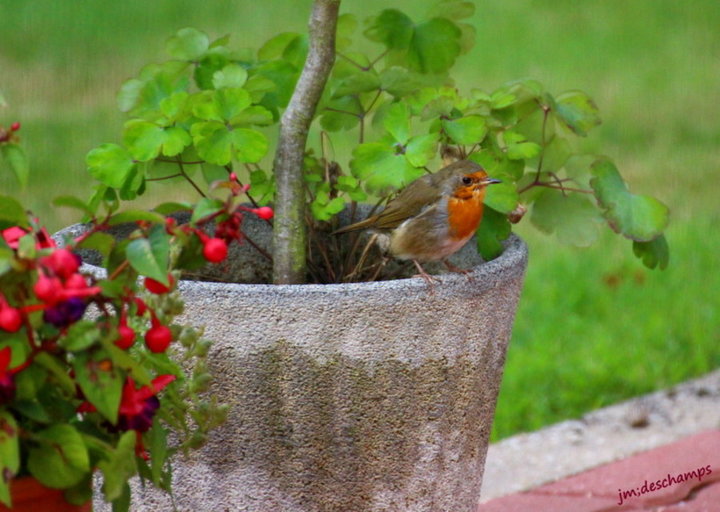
pixel 491 181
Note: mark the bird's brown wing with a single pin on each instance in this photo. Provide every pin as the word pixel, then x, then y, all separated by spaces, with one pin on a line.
pixel 410 202
pixel 413 199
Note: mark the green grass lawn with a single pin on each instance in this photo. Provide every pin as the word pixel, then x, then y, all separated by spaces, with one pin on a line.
pixel 593 326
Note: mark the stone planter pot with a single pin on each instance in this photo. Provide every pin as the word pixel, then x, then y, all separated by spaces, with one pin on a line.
pixel 350 398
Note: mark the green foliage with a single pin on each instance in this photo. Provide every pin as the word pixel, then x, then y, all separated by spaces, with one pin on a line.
pixel 640 218
pixel 9 453
pixel 60 457
pixel 149 255
pixel 75 387
pixel 15 156
pixel 207 106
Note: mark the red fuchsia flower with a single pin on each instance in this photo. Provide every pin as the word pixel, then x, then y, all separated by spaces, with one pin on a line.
pixel 138 406
pixel 65 313
pixel 13 235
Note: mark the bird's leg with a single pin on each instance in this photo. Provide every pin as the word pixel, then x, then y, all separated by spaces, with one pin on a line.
pixel 427 277
pixel 454 268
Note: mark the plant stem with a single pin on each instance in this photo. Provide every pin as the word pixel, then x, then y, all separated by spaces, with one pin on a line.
pixel 290 232
pixel 189 179
pixel 257 247
pixel 543 144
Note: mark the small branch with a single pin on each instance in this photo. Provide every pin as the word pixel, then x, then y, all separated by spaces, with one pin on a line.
pixel 377 59
pixel 176 161
pixel 546 113
pixel 372 103
pixel 351 61
pixel 553 185
pixel 168 177
pixel 119 270
pixel 257 247
pixel 340 111
pixel 189 179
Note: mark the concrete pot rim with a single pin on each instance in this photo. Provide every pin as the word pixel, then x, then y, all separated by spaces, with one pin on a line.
pixel 484 275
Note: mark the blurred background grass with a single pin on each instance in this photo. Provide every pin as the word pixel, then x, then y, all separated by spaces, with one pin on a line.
pixel 593 326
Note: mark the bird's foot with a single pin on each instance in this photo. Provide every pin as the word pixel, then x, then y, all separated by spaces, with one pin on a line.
pixel 430 280
pixel 454 268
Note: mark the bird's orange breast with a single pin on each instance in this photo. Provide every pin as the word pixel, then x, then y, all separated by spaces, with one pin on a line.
pixel 464 215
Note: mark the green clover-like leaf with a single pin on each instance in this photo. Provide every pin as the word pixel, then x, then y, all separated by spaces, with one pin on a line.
pixel 435 46
pixel 110 164
pixel 275 47
pixel 173 107
pixel 341 114
pixel 518 147
pixel 250 145
pixel 382 168
pixel 357 83
pixel 392 28
pixel 654 253
pixel 258 86
pixel 494 228
pixel 143 139
pixel 213 142
pixel 255 114
pixel 397 122
pixel 575 219
pixel 232 76
pixel 640 218
pixel 221 105
pixel 176 140
pixel 502 197
pixel 577 111
pixel 428 47
pixel 465 130
pixel 421 149
pixel 188 44
pixel 400 81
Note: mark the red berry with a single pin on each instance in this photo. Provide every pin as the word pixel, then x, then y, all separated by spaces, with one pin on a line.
pixel 15 126
pixel 48 289
pixel 264 212
pixel 63 262
pixel 233 176
pixel 158 338
pixel 157 287
pixel 126 337
pixel 215 250
pixel 10 319
pixel 76 282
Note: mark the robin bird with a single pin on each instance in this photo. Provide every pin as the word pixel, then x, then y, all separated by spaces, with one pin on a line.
pixel 434 216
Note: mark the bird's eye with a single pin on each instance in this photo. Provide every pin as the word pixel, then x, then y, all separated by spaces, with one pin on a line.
pixel 466 180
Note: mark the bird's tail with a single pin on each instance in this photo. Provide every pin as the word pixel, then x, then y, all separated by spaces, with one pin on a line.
pixel 363 224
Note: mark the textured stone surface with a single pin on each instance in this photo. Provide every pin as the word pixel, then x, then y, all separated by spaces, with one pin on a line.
pixel 350 398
